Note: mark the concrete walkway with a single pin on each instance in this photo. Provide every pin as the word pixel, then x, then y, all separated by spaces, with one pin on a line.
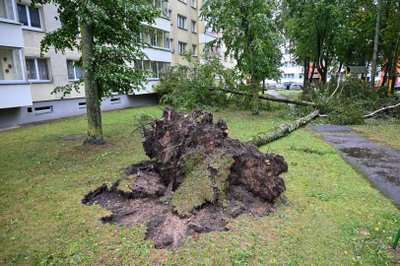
pixel 379 163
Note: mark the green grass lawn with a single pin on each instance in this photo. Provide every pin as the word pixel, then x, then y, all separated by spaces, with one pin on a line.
pixel 386 132
pixel 329 215
pixel 291 95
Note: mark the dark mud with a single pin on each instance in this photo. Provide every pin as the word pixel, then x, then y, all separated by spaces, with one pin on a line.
pixel 165 228
pixel 380 164
pixel 197 180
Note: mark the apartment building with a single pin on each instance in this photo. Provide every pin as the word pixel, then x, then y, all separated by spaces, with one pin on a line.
pixel 291 71
pixel 27 78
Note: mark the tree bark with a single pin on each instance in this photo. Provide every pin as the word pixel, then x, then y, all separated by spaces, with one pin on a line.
pixel 282 131
pixel 95 131
pixel 312 73
pixel 306 66
pixel 263 97
pixel 255 97
pixel 376 43
pixel 381 110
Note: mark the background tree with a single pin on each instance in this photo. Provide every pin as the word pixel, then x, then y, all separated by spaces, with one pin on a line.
pixel 389 52
pixel 249 32
pixel 110 38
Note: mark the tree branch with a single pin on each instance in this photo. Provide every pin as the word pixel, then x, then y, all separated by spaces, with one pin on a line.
pixel 381 110
pixel 298 102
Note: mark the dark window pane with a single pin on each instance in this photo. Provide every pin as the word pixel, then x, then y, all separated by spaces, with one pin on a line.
pixel 43 72
pixel 79 72
pixel 70 69
pixel 154 70
pixel 35 17
pixel 30 68
pixel 22 15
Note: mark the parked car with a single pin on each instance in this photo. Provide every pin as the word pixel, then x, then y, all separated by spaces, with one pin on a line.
pixel 270 86
pixel 296 86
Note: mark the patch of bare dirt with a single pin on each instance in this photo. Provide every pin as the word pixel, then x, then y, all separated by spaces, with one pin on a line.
pixel 198 179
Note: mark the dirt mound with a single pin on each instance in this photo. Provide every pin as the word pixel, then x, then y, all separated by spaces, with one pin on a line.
pixel 197 180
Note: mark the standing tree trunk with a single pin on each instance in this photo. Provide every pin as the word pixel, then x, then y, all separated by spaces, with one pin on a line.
pixel 95 131
pixel 376 43
pixel 256 100
pixel 306 71
pixel 311 78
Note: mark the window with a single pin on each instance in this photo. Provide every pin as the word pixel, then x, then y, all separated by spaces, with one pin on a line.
pixel 43 109
pixel 36 69
pixel 182 48
pixel 154 67
pixel 115 100
pixel 74 72
pixel 162 5
pixel 10 64
pixel 194 30
pixel 157 38
pixel 181 22
pixel 193 3
pixel 29 16
pixel 194 50
pixel 82 105
pixel 7 10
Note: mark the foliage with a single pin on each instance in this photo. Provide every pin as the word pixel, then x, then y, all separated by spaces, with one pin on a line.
pixel 334 31
pixel 340 33
pixel 197 84
pixel 249 32
pixel 116 27
pixel 353 99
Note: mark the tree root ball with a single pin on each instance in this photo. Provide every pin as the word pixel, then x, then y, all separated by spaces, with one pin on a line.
pixel 197 179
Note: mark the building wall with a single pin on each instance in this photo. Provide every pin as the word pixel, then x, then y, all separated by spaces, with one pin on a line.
pixel 29 100
pixel 184 35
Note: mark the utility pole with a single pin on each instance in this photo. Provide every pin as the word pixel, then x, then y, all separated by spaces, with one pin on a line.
pixel 376 43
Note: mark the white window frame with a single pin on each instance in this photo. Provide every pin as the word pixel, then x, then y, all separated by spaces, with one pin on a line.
pixel 38 80
pixel 22 64
pixel 28 17
pixel 14 13
pixel 75 79
pixel 193 3
pixel 183 19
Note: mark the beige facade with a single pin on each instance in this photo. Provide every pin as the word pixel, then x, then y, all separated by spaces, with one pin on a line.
pixel 184 28
pixel 28 78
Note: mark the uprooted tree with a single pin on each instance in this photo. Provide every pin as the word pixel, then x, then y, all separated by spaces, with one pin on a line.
pixel 197 180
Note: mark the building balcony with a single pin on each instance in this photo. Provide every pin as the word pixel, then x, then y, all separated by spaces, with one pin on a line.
pixel 12 33
pixel 158 54
pixel 15 95
pixel 207 37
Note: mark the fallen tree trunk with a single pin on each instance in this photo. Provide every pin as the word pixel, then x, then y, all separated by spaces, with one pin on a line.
pixel 282 131
pixel 381 110
pixel 297 102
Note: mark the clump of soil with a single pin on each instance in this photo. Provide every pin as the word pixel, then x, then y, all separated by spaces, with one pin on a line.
pixel 196 181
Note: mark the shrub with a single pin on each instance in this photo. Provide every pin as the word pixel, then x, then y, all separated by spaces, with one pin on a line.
pixel 353 99
pixel 196 85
